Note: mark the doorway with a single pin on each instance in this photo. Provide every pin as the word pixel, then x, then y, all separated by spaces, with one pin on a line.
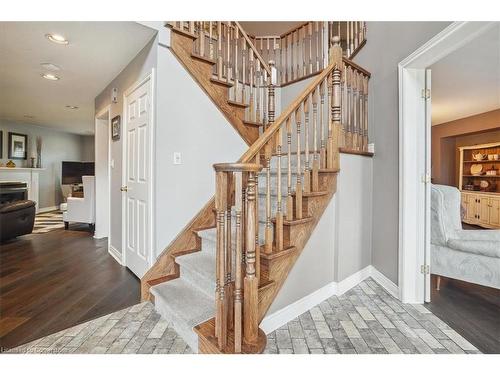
pixel 102 174
pixel 414 157
pixel 137 176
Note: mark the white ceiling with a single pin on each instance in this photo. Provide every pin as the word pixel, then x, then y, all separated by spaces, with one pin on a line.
pixel 96 53
pixel 467 81
pixel 265 28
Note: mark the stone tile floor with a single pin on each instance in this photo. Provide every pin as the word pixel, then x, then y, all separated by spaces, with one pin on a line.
pixel 365 319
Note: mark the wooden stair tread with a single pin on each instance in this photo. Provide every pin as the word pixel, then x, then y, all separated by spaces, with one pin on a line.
pixel 304 220
pixel 162 279
pixel 307 194
pixel 328 170
pixel 277 254
pixel 203 58
pixel 217 81
pixel 237 104
pixel 183 32
pixel 185 252
pixel 253 123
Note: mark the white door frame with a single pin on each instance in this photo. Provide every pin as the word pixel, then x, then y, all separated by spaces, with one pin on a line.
pixel 150 77
pixel 413 174
pixel 101 113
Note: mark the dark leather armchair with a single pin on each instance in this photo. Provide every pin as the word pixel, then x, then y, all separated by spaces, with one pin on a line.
pixel 16 218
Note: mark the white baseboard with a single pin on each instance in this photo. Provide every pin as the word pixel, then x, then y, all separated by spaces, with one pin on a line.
pixel 353 280
pixel 283 316
pixel 115 254
pixel 47 209
pixel 384 282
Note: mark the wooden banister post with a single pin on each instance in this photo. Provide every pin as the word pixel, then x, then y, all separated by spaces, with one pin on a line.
pixel 238 291
pixel 335 126
pixel 315 162
pixel 220 298
pixel 251 283
pixel 298 186
pixel 268 153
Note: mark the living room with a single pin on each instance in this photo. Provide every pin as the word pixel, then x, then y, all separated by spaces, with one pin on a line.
pixel 47 175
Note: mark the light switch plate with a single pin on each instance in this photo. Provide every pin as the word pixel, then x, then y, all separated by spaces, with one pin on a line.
pixel 177 158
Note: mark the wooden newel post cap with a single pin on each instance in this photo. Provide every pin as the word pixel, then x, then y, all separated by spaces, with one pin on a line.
pixel 335 40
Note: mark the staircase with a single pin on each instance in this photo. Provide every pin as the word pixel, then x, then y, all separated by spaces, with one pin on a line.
pixel 217 279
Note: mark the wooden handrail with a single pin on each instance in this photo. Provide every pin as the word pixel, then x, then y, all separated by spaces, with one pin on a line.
pixel 355 66
pixel 252 46
pixel 269 133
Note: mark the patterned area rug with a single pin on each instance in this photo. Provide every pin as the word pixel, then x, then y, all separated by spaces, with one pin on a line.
pixel 48 221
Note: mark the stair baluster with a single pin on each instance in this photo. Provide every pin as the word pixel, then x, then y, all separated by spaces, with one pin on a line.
pixel 322 152
pixel 220 298
pixel 315 163
pixel 289 198
pixel 365 113
pixel 298 185
pixel 307 170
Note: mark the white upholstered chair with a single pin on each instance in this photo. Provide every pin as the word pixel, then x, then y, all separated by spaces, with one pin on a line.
pixel 82 210
pixel 468 255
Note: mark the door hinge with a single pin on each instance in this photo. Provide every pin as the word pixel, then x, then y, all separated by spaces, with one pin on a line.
pixel 426 93
pixel 425 269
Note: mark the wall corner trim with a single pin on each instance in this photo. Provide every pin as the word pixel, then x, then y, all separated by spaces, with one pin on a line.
pixel 115 254
pixel 281 317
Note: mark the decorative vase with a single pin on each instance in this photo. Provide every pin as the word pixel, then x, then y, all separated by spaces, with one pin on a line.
pixel 33 164
pixel 39 161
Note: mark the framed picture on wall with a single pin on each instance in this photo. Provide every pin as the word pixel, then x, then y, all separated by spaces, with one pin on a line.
pixel 1 144
pixel 115 128
pixel 17 145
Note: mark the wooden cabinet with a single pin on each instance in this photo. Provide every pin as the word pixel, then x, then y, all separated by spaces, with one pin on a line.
pixel 495 212
pixel 481 209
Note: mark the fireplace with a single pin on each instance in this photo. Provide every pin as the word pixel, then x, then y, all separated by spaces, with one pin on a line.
pixel 11 191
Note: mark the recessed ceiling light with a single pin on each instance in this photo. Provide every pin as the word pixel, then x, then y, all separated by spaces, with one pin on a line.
pixel 71 107
pixel 50 76
pixel 50 67
pixel 29 116
pixel 56 38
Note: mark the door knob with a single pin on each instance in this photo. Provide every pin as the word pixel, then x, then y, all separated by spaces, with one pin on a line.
pixel 124 188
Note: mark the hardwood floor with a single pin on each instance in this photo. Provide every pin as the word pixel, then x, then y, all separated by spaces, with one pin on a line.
pixel 53 281
pixel 472 310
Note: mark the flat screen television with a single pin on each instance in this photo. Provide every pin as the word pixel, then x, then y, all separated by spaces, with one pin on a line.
pixel 72 171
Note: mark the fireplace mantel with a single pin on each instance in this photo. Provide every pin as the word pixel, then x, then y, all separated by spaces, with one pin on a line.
pixel 28 175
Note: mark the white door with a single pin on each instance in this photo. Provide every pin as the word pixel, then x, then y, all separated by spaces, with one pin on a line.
pixel 427 181
pixel 137 179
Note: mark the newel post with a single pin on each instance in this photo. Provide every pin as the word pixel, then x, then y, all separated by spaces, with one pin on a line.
pixel 335 127
pixel 250 283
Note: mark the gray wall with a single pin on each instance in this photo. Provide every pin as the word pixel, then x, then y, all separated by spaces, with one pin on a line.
pixel 387 44
pixel 88 147
pixel 187 122
pixel 340 245
pixel 137 69
pixel 57 146
pixel 353 215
